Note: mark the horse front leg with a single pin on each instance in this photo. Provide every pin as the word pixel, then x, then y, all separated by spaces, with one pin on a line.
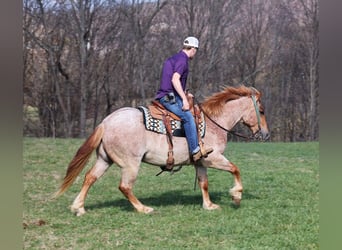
pixel 221 163
pixel 236 191
pixel 203 183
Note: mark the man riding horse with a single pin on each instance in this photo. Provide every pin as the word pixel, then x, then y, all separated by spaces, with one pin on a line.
pixel 172 96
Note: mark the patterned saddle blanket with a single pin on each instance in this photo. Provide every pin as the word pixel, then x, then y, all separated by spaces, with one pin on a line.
pixel 154 122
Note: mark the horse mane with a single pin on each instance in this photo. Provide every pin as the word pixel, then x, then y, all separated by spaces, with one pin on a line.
pixel 213 105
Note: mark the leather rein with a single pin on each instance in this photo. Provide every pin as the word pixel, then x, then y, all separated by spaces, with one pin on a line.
pixel 253 136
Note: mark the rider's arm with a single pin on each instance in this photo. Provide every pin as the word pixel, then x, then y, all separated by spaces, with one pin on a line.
pixel 178 87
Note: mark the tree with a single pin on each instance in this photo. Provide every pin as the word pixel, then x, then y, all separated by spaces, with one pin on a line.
pixel 139 17
pixel 45 41
pixel 84 59
pixel 310 45
pixel 212 22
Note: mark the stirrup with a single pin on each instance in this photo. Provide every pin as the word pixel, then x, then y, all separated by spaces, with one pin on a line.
pixel 202 153
pixel 172 170
pixel 206 152
pixel 197 156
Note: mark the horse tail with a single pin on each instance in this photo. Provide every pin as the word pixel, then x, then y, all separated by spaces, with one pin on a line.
pixel 80 159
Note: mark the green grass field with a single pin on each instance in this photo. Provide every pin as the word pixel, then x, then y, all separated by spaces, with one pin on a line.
pixel 279 207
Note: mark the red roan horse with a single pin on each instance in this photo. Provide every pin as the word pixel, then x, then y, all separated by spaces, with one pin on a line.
pixel 122 139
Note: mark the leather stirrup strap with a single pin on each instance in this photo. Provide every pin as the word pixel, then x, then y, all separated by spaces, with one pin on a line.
pixel 167 122
pixel 170 160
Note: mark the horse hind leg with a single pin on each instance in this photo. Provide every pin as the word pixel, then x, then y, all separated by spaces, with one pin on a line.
pixel 128 178
pixel 91 177
pixel 203 183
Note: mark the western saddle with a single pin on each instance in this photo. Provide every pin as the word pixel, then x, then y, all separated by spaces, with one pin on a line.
pixel 158 111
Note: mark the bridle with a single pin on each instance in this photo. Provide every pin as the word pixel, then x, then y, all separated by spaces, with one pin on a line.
pixel 256 135
pixel 257 111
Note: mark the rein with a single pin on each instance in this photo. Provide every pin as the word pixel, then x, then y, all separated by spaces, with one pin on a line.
pixel 256 110
pixel 232 131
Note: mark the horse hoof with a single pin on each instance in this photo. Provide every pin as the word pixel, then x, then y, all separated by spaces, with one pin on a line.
pixel 236 196
pixel 212 206
pixel 236 201
pixel 146 210
pixel 78 211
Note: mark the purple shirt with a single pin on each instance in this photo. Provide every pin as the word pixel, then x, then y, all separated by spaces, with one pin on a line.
pixel 176 63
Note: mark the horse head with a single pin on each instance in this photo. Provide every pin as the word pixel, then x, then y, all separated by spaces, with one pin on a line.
pixel 255 118
pixel 237 104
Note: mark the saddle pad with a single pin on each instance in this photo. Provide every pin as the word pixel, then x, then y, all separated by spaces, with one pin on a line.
pixel 157 125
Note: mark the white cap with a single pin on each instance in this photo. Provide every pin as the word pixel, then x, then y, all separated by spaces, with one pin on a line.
pixel 191 41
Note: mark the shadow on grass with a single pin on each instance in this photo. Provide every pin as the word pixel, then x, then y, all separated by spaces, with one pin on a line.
pixel 171 198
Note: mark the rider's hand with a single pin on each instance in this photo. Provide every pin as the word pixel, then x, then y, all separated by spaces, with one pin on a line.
pixel 189 94
pixel 186 105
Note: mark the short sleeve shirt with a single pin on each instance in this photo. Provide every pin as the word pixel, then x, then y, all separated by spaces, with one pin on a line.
pixel 176 63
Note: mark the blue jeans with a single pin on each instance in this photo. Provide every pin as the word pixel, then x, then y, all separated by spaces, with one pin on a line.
pixel 188 121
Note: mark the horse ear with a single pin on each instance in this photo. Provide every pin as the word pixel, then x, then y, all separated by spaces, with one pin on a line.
pixel 254 91
pixel 222 87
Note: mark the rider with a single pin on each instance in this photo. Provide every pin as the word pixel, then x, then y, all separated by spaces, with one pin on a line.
pixel 171 93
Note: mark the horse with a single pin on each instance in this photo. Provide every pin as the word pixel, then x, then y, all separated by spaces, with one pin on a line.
pixel 122 139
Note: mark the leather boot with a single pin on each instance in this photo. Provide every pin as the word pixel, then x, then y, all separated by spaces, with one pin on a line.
pixel 202 153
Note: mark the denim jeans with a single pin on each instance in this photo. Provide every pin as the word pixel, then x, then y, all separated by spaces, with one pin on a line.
pixel 188 121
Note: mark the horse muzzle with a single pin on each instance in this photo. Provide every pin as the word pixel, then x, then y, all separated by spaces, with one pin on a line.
pixel 262 135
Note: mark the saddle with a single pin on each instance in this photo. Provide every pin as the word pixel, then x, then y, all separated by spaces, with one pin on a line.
pixel 160 120
pixel 158 111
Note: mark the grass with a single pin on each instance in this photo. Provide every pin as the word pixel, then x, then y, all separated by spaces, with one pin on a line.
pixel 279 207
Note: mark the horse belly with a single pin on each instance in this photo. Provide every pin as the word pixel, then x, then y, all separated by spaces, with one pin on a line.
pixel 157 149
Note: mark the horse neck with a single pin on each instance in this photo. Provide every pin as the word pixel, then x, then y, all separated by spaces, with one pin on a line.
pixel 233 112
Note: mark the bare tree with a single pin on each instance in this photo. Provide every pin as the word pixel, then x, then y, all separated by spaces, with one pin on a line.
pixel 310 45
pixel 46 37
pixel 82 19
pixel 211 22
pixel 290 61
pixel 139 17
pixel 83 59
